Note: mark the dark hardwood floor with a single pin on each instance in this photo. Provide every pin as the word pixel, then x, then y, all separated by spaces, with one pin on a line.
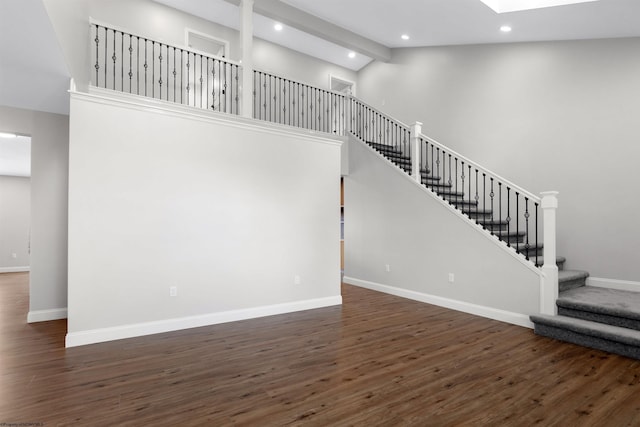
pixel 377 360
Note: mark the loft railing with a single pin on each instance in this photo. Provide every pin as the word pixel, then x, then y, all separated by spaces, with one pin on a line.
pixel 382 132
pixel 504 209
pixel 138 65
pixel 285 101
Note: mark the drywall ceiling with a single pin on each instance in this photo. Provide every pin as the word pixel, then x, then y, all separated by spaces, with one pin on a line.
pixel 450 22
pixel 33 73
pixel 432 22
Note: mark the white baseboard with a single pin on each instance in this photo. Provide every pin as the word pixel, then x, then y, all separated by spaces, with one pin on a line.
pixel 74 339
pixel 14 269
pixel 46 315
pixel 622 285
pixel 465 307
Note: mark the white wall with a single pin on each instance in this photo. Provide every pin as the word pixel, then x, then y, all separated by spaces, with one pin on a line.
pixel 15 222
pixel 548 116
pixel 49 174
pixel 228 211
pixel 390 220
pixel 147 18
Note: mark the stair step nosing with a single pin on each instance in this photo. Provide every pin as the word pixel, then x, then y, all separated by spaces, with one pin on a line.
pixel 589 328
pixel 598 309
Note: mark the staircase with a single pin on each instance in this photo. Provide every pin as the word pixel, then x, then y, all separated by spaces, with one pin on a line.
pixel 598 318
pixel 482 216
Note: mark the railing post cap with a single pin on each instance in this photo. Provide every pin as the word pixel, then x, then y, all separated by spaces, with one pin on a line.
pixel 549 199
pixel 417 124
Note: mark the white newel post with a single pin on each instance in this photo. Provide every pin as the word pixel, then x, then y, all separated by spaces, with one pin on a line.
pixel 416 130
pixel 549 268
pixel 246 45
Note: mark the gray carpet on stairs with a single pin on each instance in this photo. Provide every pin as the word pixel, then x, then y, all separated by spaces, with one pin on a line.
pixel 604 319
pixel 613 339
pixel 604 301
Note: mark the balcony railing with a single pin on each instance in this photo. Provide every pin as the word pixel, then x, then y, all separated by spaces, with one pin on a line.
pixel 138 65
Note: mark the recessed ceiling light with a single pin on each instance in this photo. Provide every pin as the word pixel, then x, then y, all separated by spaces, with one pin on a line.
pixel 8 135
pixel 505 29
pixel 352 55
pixel 404 37
pixel 278 27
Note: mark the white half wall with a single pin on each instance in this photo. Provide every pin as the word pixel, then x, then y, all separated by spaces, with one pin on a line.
pixel 241 217
pixel 49 174
pixel 401 239
pixel 15 223
pixel 547 116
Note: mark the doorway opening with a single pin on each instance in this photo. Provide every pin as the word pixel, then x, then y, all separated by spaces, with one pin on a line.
pixel 15 203
pixel 338 84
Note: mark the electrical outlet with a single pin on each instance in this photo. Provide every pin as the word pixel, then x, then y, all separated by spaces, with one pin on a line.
pixel 14 255
pixel 297 280
pixel 173 291
pixel 387 268
pixel 451 278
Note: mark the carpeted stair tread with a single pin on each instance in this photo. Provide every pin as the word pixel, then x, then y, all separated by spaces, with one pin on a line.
pixel 596 335
pixel 610 302
pixel 569 275
pixel 571 279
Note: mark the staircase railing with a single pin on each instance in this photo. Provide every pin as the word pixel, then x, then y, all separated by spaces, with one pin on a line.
pixel 138 65
pixel 285 101
pixel 381 131
pixel 499 206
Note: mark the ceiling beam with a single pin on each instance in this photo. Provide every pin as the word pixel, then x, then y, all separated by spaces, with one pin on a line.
pixel 303 21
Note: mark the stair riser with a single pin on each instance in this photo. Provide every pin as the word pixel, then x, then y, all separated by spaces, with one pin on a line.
pixel 600 318
pixel 571 284
pixel 587 341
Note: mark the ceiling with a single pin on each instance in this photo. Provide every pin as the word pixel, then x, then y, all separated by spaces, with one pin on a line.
pixel 427 22
pixel 33 74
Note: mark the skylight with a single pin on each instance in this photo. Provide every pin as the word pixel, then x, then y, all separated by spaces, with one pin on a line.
pixel 504 6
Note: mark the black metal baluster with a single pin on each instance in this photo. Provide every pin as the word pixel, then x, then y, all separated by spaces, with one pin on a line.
pixel 237 89
pixel 207 90
pixel 106 44
pixel 153 69
pixel 438 165
pixel 146 67
pixel 526 229
pixel 469 179
pixel 160 71
pixel 188 77
pixel 538 264
pixel 122 62
pixel 500 205
pixel 97 66
pixel 508 216
pixel 484 198
pixel 491 195
pixel 114 57
pixel 518 248
pixel 450 182
pixel 201 81
pixel 130 63
pixel 456 175
pixel 174 74
pixel 477 197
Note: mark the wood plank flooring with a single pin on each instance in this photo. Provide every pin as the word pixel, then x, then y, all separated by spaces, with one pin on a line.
pixel 378 360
